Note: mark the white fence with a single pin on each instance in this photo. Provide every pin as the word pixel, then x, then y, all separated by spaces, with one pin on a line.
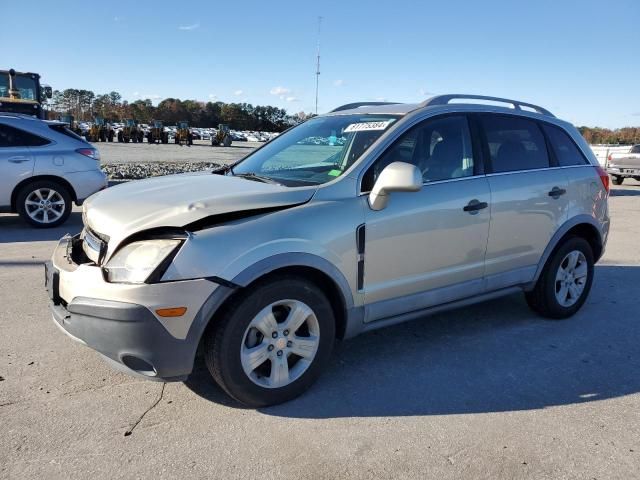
pixel 603 151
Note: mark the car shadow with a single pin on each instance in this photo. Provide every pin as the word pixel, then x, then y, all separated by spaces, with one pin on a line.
pixel 493 357
pixel 15 230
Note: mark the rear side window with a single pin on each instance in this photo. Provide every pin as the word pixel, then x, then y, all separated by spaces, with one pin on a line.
pixel 63 129
pixel 514 143
pixel 564 148
pixel 14 137
pixel 635 149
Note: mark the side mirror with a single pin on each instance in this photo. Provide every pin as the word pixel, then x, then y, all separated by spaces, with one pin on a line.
pixel 396 177
pixel 48 92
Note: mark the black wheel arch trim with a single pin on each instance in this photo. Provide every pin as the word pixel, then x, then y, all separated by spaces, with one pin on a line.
pixel 560 234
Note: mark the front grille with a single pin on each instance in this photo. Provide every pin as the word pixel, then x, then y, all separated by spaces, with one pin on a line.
pixel 93 245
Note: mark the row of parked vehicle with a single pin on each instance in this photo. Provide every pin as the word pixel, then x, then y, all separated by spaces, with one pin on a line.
pixel 99 130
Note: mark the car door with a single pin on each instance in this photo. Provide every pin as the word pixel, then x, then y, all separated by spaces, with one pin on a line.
pixel 427 247
pixel 528 198
pixel 16 161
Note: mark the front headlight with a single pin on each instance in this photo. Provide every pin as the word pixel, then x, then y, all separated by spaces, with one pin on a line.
pixel 134 263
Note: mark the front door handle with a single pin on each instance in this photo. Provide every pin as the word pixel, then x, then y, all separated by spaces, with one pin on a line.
pixel 557 192
pixel 19 159
pixel 474 206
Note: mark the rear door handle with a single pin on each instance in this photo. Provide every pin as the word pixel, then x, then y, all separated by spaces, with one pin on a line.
pixel 557 192
pixel 19 159
pixel 474 206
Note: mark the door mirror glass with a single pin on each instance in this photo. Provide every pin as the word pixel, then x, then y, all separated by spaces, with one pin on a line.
pixel 396 177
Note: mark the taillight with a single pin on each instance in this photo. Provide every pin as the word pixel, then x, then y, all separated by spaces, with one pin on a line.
pixel 89 152
pixel 604 177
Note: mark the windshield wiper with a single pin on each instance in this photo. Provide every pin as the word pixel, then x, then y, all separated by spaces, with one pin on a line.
pixel 256 177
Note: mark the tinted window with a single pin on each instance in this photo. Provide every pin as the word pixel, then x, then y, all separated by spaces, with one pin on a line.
pixel 564 148
pixel 63 129
pixel 440 148
pixel 514 143
pixel 14 137
pixel 635 149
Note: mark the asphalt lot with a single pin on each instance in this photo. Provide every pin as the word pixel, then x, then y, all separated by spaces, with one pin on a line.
pixel 200 151
pixel 490 391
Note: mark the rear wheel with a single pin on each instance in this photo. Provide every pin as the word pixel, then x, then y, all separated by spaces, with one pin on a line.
pixel 271 343
pixel 565 281
pixel 617 179
pixel 44 203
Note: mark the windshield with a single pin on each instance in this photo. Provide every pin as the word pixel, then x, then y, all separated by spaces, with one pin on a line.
pixel 25 85
pixel 316 151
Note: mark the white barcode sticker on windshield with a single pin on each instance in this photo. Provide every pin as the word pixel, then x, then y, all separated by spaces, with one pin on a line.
pixel 367 126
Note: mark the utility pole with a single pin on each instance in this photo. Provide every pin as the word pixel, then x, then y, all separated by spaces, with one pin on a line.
pixel 318 63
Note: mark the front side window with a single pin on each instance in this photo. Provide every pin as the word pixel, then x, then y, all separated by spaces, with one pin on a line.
pixel 514 143
pixel 441 148
pixel 14 137
pixel 317 151
pixel 564 148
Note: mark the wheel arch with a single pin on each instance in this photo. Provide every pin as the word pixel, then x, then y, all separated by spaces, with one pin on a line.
pixel 582 226
pixel 52 178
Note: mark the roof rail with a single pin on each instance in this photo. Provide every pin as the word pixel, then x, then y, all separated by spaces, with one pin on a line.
pixel 349 106
pixel 445 99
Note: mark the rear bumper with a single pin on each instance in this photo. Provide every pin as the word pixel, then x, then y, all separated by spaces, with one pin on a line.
pixel 622 171
pixel 87 183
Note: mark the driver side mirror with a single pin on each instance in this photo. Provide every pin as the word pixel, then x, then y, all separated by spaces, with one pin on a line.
pixel 48 92
pixel 396 177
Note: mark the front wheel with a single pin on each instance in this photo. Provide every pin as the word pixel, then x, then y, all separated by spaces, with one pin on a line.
pixel 271 343
pixel 617 179
pixel 565 281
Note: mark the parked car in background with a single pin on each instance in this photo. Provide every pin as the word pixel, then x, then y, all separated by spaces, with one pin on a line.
pixel 44 169
pixel 404 210
pixel 624 165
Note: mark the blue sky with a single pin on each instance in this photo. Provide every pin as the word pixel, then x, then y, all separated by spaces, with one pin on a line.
pixel 580 59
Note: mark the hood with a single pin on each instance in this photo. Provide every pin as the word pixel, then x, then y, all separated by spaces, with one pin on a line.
pixel 178 200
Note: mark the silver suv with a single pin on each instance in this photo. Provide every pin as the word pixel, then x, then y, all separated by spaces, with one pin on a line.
pixel 368 216
pixel 44 168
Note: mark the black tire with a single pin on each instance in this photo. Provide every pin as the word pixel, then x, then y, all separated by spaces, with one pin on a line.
pixel 224 338
pixel 28 189
pixel 617 180
pixel 120 138
pixel 542 299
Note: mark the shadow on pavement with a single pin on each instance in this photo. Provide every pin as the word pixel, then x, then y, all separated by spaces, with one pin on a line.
pixel 13 229
pixel 492 357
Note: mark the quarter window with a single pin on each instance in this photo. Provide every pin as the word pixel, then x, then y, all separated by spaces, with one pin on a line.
pixel 514 143
pixel 14 137
pixel 564 148
pixel 441 148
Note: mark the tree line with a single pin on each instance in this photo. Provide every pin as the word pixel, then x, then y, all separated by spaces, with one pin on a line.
pixel 624 136
pixel 85 105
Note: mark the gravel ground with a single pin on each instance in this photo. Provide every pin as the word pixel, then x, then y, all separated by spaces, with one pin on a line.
pixel 200 151
pixel 489 392
pixel 133 161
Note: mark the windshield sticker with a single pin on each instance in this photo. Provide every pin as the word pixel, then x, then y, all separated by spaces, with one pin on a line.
pixel 335 173
pixel 367 126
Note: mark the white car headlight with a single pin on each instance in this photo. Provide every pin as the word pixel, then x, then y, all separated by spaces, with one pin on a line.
pixel 134 263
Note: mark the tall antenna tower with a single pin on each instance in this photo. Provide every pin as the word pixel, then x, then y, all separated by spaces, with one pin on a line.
pixel 318 63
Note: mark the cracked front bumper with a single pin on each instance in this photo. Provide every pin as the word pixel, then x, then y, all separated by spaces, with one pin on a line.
pixel 119 321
